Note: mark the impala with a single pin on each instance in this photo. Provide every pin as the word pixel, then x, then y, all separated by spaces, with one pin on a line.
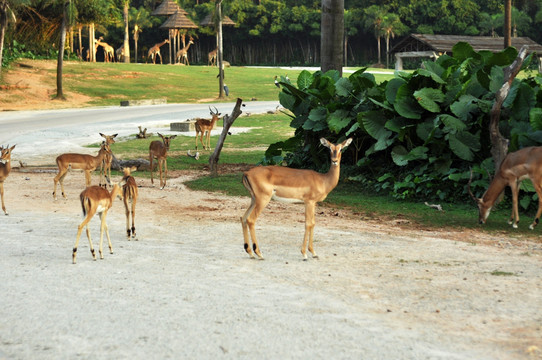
pixel 5 168
pixel 158 150
pixel 204 127
pixel 105 168
pixel 85 162
pixel 129 195
pixel 516 166
pixel 95 199
pixel 289 185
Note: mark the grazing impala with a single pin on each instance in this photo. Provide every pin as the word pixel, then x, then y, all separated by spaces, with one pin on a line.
pixel 158 150
pixel 95 199
pixel 516 166
pixel 5 168
pixel 129 195
pixel 289 185
pixel 204 127
pixel 105 168
pixel 85 162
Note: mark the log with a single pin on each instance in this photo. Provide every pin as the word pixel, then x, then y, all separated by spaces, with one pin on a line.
pixel 140 164
pixel 228 121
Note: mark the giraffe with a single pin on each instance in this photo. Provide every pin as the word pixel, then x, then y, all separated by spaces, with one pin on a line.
pixel 182 54
pixel 109 52
pixel 155 51
pixel 212 57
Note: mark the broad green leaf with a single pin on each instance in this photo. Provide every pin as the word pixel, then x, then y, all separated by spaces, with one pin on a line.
pixel 338 120
pixel 452 124
pixel 535 118
pixel 382 105
pixel 287 100
pixel 405 104
pixel 464 144
pixel 436 78
pixel 463 51
pixel 316 120
pixel 343 87
pixel 398 155
pixel 463 107
pixel 496 79
pixel 428 98
pixel 304 79
pixel 391 89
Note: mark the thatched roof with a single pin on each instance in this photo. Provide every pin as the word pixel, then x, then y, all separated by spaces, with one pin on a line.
pixel 208 21
pixel 168 7
pixel 178 21
pixel 445 43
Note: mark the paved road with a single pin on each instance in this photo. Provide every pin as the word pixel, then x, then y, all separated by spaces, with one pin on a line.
pixel 46 132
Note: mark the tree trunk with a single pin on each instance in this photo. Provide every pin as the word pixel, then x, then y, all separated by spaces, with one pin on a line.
pixel 3 26
pixel 60 60
pixel 126 50
pixel 220 52
pixel 332 34
pixel 507 23
pixel 499 144
pixel 228 121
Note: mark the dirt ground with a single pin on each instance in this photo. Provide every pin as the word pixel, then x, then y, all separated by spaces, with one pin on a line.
pixel 382 289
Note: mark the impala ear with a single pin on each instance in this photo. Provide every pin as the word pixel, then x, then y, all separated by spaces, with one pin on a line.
pixel 172 137
pixel 13 147
pixel 346 142
pixel 102 135
pixel 325 142
pixel 115 135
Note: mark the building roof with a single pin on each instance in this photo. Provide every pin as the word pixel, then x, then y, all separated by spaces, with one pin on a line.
pixel 178 21
pixel 445 43
pixel 208 21
pixel 168 7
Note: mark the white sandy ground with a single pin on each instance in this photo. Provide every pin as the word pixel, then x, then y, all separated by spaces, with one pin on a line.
pixel 186 288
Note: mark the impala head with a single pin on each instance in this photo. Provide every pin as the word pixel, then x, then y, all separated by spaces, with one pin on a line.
pixel 5 153
pixel 109 139
pixel 214 113
pixel 105 148
pixel 167 140
pixel 483 208
pixel 336 150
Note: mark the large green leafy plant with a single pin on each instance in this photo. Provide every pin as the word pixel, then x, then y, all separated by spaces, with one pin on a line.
pixel 418 134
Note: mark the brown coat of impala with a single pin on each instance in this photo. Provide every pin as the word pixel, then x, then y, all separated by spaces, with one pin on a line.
pixel 105 168
pixel 289 185
pixel 96 200
pixel 158 149
pixel 129 195
pixel 516 166
pixel 85 162
pixel 204 127
pixel 5 168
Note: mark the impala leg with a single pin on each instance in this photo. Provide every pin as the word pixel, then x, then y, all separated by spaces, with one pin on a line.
pixel 309 230
pixel 127 212
pixel 2 196
pixel 538 189
pixel 165 173
pixel 208 140
pixel 245 228
pixel 134 200
pixel 87 178
pixel 160 163
pixel 515 212
pixel 79 230
pixel 150 160
pixel 59 178
pixel 61 181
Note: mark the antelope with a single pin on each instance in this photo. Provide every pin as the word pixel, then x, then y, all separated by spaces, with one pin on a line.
pixel 5 168
pixel 95 199
pixel 158 150
pixel 85 162
pixel 105 167
pixel 129 195
pixel 516 166
pixel 204 127
pixel 293 186
pixel 211 57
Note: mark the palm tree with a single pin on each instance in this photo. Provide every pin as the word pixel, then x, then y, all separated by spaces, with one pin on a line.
pixel 7 8
pixel 391 26
pixel 61 44
pixel 140 19
pixel 332 35
pixel 374 16
pixel 126 49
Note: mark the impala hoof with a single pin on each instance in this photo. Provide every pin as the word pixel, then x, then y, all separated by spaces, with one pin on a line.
pixel 531 227
pixel 515 226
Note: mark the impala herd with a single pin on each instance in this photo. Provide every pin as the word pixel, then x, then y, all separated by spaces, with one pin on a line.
pixel 264 183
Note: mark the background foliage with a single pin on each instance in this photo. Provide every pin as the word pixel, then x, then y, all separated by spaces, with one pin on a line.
pixel 418 134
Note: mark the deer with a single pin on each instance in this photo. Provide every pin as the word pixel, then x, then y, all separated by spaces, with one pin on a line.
pixel 158 149
pixel 292 186
pixel 516 166
pixel 85 162
pixel 129 195
pixel 5 168
pixel 105 168
pixel 96 200
pixel 204 127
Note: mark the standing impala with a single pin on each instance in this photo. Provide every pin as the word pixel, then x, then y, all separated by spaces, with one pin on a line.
pixel 204 127
pixel 289 185
pixel 105 168
pixel 516 166
pixel 5 168
pixel 95 199
pixel 129 195
pixel 85 162
pixel 158 150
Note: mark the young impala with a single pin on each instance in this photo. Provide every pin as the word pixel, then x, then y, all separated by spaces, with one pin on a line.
pixel 289 185
pixel 96 200
pixel 158 149
pixel 5 168
pixel 516 166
